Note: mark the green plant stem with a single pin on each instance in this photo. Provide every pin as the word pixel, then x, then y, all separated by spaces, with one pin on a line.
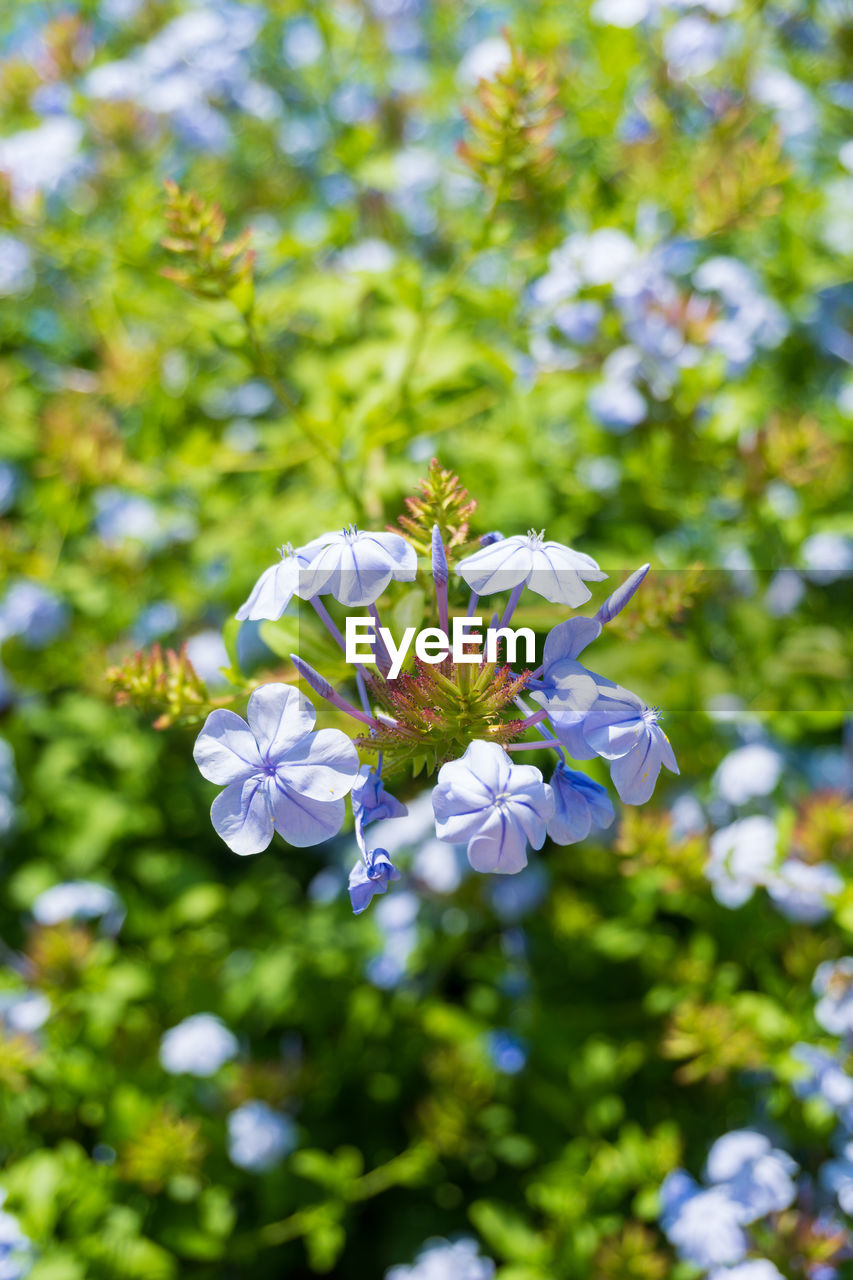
pixel 441 295
pixel 315 437
pixel 398 1171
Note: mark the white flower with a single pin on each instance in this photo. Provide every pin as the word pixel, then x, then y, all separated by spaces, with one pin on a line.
pixel 742 857
pixel 259 1137
pixel 198 1046
pixel 79 900
pixel 749 771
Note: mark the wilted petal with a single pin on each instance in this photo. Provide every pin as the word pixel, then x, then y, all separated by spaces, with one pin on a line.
pixel 280 717
pixel 367 879
pixel 225 750
pixel 302 820
pixel 323 765
pixel 241 816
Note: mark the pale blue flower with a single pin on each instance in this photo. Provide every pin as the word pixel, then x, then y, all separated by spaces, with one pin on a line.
pixel 122 517
pixel 617 405
pixel 277 586
pixel 693 46
pixel 826 1078
pixel 514 897
pixel 156 620
pixel 302 43
pixel 369 876
pixel 16 1249
pixel 208 656
pixel 833 983
pixel 837 1177
pixel 42 159
pixel 9 475
pixel 442 1260
pixel 747 772
pixel 507 1052
pixel 750 1269
pixel 757 1176
pixel 16 276
pixel 550 569
pixel 23 1011
pixel 804 891
pixel 197 1046
pixel 356 567
pixel 371 802
pixel 827 557
pixel 484 60
pixel 438 866
pixel 259 1137
pixel 578 802
pixel 278 774
pixel 396 919
pixel 622 729
pixel 373 872
pixel 743 856
pixel 33 613
pixel 494 805
pixel 703 1224
pixel 79 900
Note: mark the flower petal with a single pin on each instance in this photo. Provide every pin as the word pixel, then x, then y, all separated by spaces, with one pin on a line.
pixel 241 816
pixel 500 845
pixel 667 755
pixel 498 567
pixel 568 640
pixel 280 717
pixel 322 765
pixel 273 591
pixel 302 820
pixel 615 725
pixel 225 750
pixel 635 774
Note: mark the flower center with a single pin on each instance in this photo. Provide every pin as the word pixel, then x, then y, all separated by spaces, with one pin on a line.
pixel 651 715
pixel 286 551
pixel 351 532
pixel 534 539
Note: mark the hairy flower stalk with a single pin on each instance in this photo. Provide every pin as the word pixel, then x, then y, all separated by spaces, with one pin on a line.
pixel 451 710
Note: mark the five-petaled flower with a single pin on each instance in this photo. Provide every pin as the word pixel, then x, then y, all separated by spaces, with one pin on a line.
pixel 550 569
pixel 496 806
pixel 625 731
pixel 278 774
pixel 356 567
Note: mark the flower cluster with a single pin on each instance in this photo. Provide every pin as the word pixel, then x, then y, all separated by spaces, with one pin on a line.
pixel 746 1180
pixel 455 713
pixel 752 1216
pixel 672 312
